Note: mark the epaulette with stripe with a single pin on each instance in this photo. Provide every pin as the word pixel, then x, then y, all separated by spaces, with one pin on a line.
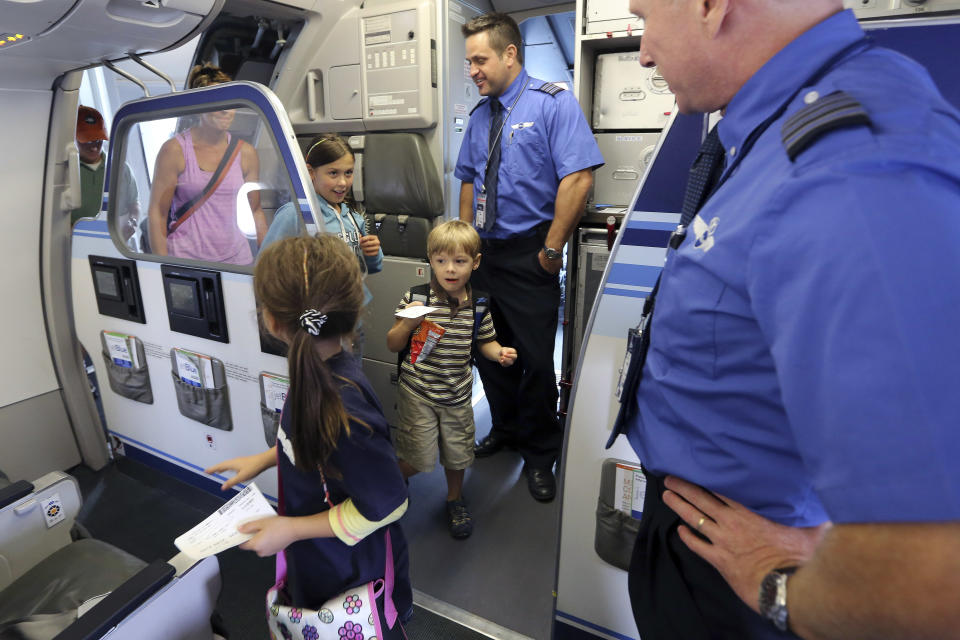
pixel 477 106
pixel 821 115
pixel 549 87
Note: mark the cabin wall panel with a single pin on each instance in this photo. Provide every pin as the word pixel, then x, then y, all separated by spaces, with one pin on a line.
pixel 27 367
pixel 33 437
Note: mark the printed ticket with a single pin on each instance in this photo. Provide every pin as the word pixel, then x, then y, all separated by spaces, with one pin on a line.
pixel 218 532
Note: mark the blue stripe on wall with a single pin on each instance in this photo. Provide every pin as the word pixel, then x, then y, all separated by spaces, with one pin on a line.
pixel 625 293
pixel 142 452
pixel 651 224
pixel 91 225
pixel 563 631
pixel 646 237
pixel 640 275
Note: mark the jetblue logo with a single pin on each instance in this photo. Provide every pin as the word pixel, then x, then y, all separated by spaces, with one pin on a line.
pixel 703 233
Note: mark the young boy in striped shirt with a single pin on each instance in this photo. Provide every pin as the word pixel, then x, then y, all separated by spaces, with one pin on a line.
pixel 434 396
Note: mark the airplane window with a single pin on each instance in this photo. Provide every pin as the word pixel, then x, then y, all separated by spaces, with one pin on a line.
pixel 200 186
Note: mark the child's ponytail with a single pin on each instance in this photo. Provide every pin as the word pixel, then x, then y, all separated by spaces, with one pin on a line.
pixel 312 288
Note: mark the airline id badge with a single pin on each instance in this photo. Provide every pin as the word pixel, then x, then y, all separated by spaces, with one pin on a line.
pixel 480 216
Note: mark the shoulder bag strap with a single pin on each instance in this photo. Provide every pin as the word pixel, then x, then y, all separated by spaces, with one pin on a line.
pixel 189 207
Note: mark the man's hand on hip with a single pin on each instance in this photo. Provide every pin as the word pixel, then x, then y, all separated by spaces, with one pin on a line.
pixel 550 266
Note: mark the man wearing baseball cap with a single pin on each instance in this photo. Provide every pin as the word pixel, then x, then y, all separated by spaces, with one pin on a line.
pixel 91 133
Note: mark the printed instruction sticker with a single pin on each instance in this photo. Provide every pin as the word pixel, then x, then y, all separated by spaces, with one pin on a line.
pixel 53 510
pixel 218 532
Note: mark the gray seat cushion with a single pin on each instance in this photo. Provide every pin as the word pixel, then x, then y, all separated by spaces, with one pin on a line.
pixel 63 581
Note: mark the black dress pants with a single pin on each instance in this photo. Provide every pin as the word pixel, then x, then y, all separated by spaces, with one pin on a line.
pixel 524 304
pixel 677 595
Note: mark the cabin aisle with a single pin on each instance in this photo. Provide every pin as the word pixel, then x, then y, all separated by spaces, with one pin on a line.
pixel 504 572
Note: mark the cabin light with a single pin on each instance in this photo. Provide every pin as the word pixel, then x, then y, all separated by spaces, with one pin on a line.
pixel 10 38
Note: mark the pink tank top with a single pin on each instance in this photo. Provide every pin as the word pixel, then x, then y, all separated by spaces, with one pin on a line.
pixel 211 233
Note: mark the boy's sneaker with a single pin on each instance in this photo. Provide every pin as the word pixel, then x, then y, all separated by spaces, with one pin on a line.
pixel 458 519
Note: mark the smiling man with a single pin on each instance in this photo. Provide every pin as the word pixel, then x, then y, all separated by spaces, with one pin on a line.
pixel 802 362
pixel 91 134
pixel 526 167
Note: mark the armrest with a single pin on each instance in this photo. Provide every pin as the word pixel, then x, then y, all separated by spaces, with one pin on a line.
pixel 120 603
pixel 13 492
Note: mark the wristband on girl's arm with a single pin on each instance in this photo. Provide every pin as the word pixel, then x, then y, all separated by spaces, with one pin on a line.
pixel 351 527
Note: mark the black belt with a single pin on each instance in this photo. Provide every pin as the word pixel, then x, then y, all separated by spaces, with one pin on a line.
pixel 533 238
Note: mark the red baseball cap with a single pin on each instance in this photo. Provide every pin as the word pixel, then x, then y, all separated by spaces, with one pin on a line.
pixel 90 125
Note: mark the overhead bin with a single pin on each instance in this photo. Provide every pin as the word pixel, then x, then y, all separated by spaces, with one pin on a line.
pixel 60 35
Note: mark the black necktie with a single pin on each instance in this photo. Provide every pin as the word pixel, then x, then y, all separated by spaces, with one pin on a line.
pixel 493 163
pixel 703 176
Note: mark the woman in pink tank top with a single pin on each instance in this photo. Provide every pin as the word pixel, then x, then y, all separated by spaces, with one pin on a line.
pixel 185 165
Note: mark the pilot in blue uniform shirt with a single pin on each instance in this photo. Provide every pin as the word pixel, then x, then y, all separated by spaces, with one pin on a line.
pixel 545 138
pixel 803 356
pixel 525 208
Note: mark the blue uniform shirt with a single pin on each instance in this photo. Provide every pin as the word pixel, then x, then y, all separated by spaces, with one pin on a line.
pixel 804 350
pixel 545 138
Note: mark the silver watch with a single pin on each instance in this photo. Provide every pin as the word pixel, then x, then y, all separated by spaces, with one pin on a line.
pixel 773 598
pixel 551 254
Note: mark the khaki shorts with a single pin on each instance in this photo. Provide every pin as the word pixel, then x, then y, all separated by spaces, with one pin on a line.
pixel 425 426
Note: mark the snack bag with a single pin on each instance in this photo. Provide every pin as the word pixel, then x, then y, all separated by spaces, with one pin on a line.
pixel 424 339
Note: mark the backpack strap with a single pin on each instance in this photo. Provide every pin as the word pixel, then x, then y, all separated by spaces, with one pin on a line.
pixel 188 208
pixel 418 293
pixel 481 306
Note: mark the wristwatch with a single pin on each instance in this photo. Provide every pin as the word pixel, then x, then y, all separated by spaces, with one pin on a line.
pixel 552 254
pixel 773 597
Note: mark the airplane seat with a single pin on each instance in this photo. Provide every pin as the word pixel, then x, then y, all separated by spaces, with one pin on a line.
pixel 255 71
pixel 402 191
pixel 52 586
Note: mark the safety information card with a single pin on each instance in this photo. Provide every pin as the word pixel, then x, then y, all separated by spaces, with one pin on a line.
pixel 194 369
pixel 631 488
pixel 122 349
pixel 219 531
pixel 275 389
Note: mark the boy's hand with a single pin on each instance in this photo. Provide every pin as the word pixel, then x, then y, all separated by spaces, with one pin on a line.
pixel 409 324
pixel 270 535
pixel 508 355
pixel 370 245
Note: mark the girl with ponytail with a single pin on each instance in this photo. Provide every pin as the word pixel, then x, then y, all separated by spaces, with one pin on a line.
pixel 341 486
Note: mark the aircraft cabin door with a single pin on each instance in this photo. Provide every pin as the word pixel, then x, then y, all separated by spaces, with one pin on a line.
pixel 162 278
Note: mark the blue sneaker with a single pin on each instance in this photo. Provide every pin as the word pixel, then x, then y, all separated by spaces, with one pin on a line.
pixel 458 519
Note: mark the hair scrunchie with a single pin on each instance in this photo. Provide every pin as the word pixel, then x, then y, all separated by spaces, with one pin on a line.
pixel 312 320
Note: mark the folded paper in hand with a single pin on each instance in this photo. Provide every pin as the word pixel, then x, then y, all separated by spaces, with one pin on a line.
pixel 416 311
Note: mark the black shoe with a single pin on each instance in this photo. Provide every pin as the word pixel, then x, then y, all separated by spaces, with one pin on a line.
pixel 458 519
pixel 488 446
pixel 542 484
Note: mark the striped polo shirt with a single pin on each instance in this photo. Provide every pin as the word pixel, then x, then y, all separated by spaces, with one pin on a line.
pixel 445 377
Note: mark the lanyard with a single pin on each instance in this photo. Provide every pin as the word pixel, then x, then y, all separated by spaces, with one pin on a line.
pixel 496 140
pixel 353 243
